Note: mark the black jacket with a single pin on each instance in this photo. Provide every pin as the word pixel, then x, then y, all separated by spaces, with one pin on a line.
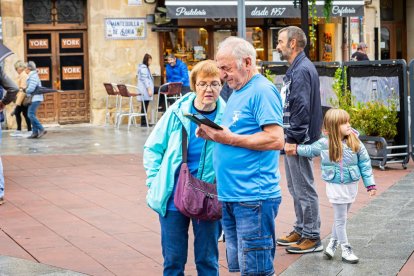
pixel 10 87
pixel 302 112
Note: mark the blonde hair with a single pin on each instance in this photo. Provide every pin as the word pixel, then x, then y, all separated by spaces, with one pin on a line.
pixel 19 64
pixel 334 118
pixel 205 68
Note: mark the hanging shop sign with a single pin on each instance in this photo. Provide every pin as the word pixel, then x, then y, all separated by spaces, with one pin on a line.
pixel 256 9
pixel 125 28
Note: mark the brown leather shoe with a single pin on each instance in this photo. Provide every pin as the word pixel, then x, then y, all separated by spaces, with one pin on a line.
pixel 305 245
pixel 290 239
pixel 1 201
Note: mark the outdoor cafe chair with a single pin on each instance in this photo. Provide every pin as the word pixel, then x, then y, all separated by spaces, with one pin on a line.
pixel 173 92
pixel 111 92
pixel 131 113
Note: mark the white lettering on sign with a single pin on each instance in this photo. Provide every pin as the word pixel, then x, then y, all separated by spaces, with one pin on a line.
pixel 43 73
pixel 183 11
pixel 71 43
pixel 277 11
pixel 38 43
pixel 262 12
pixel 71 73
pixel 342 10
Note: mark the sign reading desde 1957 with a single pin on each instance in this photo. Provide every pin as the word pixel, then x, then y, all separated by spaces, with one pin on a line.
pixel 71 43
pixel 71 72
pixel 38 43
pixel 43 73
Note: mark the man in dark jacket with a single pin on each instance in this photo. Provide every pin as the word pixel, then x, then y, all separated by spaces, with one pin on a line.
pixel 11 91
pixel 302 119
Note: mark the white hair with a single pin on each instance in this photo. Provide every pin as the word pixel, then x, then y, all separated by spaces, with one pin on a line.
pixel 31 65
pixel 240 49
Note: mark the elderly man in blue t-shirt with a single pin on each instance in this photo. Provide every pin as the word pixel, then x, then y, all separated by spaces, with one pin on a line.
pixel 246 160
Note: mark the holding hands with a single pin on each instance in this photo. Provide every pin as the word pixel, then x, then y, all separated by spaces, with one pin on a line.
pixel 290 149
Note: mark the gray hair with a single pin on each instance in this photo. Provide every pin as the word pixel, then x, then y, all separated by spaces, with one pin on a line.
pixel 19 65
pixel 297 33
pixel 240 48
pixel 31 66
pixel 171 56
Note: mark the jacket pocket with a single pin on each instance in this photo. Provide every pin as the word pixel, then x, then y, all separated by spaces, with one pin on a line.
pixel 354 173
pixel 328 173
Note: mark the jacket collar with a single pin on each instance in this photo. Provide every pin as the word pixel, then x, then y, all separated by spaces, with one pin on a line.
pixel 296 61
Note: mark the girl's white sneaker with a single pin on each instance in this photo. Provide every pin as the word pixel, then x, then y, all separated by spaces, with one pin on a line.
pixel 331 248
pixel 348 255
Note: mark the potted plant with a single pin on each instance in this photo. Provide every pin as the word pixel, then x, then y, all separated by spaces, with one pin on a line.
pixel 376 120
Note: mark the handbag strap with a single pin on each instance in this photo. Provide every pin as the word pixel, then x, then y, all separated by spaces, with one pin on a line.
pixel 184 145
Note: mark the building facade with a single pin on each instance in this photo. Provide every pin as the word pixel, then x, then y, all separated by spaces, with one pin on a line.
pixel 80 44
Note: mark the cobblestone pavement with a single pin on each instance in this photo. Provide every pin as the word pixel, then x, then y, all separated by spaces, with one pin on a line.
pixel 75 200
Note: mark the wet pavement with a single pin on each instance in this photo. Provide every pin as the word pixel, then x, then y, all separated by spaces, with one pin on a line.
pixel 75 200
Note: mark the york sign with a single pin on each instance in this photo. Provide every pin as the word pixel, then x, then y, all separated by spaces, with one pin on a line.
pixel 38 43
pixel 71 72
pixel 71 43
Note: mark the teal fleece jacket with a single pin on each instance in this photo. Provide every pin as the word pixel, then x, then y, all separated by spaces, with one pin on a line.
pixel 163 153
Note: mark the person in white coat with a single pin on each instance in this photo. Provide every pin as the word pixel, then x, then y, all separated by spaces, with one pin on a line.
pixel 145 85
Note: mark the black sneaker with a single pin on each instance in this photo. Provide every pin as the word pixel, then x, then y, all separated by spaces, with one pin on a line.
pixel 33 136
pixel 41 133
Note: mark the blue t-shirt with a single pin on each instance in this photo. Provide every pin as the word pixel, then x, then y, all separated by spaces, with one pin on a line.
pixel 195 147
pixel 244 174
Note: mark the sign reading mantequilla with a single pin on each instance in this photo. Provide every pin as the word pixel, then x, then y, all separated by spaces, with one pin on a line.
pixel 39 43
pixel 71 72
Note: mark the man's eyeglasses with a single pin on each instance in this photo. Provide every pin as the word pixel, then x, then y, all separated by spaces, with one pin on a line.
pixel 215 85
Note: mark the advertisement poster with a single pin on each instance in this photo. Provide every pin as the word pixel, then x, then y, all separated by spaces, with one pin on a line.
pixel 125 28
pixel 373 88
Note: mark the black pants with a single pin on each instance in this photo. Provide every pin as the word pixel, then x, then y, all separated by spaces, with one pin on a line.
pixel 18 111
pixel 143 120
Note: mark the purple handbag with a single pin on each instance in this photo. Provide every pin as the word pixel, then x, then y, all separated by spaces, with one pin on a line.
pixel 193 197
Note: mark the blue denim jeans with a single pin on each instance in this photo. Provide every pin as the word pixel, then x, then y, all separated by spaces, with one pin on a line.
pixel 36 125
pixel 249 228
pixel 174 242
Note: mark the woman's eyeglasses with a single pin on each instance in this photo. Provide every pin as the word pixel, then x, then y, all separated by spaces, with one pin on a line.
pixel 215 85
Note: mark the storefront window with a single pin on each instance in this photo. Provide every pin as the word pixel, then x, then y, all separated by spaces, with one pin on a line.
pixel 188 44
pixel 255 36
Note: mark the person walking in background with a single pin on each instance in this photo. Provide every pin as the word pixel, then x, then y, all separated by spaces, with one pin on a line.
pixel 361 53
pixel 253 135
pixel 11 90
pixel 162 161
pixel 20 68
pixel 302 121
pixel 33 81
pixel 145 85
pixel 344 160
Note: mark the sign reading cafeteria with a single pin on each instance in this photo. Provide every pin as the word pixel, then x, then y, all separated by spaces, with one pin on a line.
pixel 43 73
pixel 38 43
pixel 71 43
pixel 71 72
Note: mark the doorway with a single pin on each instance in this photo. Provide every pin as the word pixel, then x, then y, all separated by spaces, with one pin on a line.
pixel 61 61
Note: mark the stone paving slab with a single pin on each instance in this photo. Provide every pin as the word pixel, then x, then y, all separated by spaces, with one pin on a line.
pixel 382 235
pixel 10 266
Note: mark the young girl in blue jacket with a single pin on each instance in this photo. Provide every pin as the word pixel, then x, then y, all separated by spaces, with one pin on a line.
pixel 344 161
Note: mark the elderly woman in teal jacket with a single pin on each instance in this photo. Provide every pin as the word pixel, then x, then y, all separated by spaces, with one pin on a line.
pixel 162 161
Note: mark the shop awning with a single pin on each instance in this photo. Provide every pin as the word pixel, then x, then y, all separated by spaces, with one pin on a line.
pixel 255 9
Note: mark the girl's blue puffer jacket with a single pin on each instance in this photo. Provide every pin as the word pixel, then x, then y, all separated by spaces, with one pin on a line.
pixel 352 167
